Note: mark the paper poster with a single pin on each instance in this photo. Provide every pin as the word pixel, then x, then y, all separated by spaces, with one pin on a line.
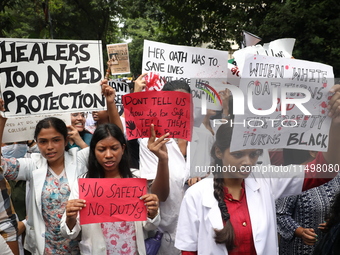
pixel 22 128
pixel 122 88
pixel 282 48
pixel 169 111
pixel 112 199
pixel 206 93
pixel 40 76
pixel 285 104
pixel 118 55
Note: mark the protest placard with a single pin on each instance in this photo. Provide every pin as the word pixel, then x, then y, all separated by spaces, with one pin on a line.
pixel 22 128
pixel 112 199
pixel 50 76
pixel 281 48
pixel 122 88
pixel 169 111
pixel 118 54
pixel 174 62
pixel 205 93
pixel 286 104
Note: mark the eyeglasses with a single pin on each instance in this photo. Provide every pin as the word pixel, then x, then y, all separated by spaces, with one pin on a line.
pixel 78 114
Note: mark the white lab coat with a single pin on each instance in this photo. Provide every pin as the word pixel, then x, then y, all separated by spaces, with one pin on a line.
pixel 179 174
pixel 92 238
pixel 200 214
pixel 34 170
pixel 200 146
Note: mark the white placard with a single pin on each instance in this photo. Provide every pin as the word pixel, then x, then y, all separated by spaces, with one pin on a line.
pixel 282 88
pixel 174 62
pixel 50 76
pixel 22 128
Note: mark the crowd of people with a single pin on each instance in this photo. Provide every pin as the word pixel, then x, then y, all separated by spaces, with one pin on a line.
pixel 225 212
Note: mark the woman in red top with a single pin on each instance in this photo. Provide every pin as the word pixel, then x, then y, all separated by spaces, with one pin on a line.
pixel 235 214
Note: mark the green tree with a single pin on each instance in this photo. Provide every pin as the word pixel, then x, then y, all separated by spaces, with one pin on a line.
pixel 313 23
pixel 63 19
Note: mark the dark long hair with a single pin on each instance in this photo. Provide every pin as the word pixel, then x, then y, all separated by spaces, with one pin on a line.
pixel 95 170
pixel 225 235
pixel 51 122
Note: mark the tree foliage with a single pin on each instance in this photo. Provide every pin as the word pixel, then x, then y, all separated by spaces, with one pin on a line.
pixel 313 23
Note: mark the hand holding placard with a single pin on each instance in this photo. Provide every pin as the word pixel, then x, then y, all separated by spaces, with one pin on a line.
pixel 72 208
pixel 151 201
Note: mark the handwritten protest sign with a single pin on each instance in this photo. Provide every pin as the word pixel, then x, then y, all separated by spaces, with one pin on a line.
pixel 169 111
pixel 112 199
pixel 22 128
pixel 122 88
pixel 206 92
pixel 174 62
pixel 282 48
pixel 118 54
pixel 286 104
pixel 50 76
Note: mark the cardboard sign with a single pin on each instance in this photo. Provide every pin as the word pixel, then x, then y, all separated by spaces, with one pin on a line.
pixel 112 199
pixel 39 76
pixel 169 111
pixel 118 54
pixel 286 104
pixel 174 62
pixel 22 128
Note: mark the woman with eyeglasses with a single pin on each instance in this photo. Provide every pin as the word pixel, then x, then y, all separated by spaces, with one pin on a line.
pixel 78 136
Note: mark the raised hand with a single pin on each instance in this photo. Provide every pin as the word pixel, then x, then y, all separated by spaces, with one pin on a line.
pixel 334 104
pixel 158 146
pixel 108 92
pixel 140 83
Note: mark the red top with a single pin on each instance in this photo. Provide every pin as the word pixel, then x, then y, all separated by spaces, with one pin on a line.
pixel 240 219
pixel 239 214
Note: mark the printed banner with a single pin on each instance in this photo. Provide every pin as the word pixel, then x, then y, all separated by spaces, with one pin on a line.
pixel 50 76
pixel 118 58
pixel 169 111
pixel 112 199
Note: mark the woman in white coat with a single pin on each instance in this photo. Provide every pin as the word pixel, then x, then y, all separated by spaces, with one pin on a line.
pixel 108 158
pixel 232 213
pixel 51 174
